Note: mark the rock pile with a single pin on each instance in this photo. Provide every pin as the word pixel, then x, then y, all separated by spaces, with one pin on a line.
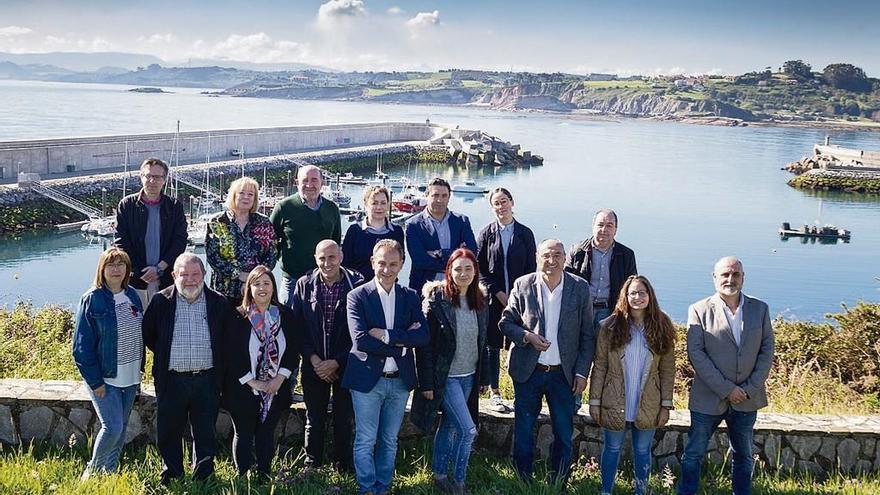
pixel 476 148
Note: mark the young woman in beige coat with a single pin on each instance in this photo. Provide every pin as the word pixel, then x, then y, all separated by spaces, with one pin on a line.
pixel 632 379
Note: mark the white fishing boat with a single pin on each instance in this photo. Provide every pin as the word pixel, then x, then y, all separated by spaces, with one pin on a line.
pixel 100 226
pixel 470 187
pixel 337 196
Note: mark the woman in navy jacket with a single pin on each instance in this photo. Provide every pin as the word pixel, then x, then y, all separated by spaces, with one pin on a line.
pixel 108 350
pixel 357 245
pixel 505 251
pixel 260 354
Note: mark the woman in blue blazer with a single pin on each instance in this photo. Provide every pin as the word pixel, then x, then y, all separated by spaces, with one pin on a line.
pixel 505 251
pixel 108 350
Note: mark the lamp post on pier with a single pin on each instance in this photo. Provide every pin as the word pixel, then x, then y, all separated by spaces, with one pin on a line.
pixel 103 201
pixel 287 185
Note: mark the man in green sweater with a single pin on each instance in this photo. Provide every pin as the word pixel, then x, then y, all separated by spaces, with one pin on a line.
pixel 301 221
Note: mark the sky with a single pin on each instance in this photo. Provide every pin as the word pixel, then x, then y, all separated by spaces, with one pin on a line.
pixel 580 36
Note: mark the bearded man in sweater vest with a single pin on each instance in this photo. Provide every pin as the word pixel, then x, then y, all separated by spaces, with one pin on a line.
pixel 301 221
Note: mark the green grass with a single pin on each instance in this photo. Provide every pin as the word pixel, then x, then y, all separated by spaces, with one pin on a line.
pixel 47 470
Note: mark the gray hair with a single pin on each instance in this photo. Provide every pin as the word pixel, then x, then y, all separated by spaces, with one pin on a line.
pixel 389 244
pixel 306 169
pixel 546 243
pixel 187 258
pixel 609 211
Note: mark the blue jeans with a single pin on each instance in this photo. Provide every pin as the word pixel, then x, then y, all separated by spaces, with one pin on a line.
pixel 285 290
pixel 527 406
pixel 378 415
pixel 457 430
pixel 740 429
pixel 113 411
pixel 641 442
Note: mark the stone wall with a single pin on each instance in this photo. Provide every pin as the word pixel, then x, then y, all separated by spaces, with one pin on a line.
pixel 54 156
pixel 92 184
pixel 60 412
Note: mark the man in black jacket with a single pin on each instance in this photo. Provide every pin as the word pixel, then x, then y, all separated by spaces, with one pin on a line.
pixel 151 228
pixel 319 308
pixel 604 263
pixel 184 326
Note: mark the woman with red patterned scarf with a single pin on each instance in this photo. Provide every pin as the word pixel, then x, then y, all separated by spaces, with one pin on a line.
pixel 260 354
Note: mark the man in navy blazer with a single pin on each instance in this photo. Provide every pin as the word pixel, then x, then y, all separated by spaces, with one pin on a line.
pixel 386 322
pixel 431 236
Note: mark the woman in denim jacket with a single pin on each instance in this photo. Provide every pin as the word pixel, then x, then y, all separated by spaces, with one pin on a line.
pixel 108 350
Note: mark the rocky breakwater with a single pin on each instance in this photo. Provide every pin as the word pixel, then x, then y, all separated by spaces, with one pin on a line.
pixel 822 172
pixel 60 413
pixel 476 148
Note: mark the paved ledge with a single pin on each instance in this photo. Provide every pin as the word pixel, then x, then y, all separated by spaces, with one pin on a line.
pixel 60 412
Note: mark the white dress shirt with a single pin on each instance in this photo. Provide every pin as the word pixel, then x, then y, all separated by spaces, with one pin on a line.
pixel 388 307
pixel 552 302
pixel 734 320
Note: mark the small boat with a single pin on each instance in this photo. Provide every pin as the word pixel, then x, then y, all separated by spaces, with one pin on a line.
pixel 410 201
pixel 349 178
pixel 100 226
pixel 383 179
pixel 826 232
pixel 337 196
pixel 469 186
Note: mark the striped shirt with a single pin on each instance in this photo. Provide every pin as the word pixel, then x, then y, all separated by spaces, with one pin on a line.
pixel 129 343
pixel 191 340
pixel 635 357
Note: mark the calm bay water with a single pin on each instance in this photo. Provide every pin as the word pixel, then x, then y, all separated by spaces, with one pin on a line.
pixel 685 194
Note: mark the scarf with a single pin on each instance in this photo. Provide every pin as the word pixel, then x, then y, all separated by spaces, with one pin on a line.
pixel 265 326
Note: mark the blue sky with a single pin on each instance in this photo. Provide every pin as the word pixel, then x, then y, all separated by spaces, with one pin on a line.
pixel 583 36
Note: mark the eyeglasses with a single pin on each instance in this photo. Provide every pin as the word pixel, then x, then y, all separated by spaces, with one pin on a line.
pixel 637 293
pixel 153 177
pixel 118 264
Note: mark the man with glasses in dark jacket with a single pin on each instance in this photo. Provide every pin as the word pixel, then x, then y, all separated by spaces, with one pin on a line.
pixel 151 229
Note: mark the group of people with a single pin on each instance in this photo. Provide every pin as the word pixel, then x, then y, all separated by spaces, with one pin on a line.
pixel 365 341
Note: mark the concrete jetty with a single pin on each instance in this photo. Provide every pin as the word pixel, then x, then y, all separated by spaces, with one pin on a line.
pixel 59 157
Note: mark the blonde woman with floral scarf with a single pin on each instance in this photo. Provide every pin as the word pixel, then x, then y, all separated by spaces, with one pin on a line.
pixel 239 239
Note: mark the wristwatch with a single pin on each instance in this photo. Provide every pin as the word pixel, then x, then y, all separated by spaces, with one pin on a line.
pixel 159 271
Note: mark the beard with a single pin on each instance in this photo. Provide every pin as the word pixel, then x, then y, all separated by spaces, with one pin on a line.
pixel 190 293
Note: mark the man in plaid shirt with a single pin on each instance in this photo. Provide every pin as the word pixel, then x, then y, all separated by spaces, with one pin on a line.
pixel 318 304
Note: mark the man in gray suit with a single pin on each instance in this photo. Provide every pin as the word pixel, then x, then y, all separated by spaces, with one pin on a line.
pixel 549 318
pixel 730 345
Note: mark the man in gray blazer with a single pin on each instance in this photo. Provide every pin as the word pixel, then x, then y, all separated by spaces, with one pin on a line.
pixel 730 345
pixel 549 318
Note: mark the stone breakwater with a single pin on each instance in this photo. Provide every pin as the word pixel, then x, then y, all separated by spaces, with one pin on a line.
pixel 838 180
pixel 24 209
pixel 60 413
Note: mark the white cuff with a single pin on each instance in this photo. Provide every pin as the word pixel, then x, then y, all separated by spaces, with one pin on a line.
pixel 386 338
pixel 284 372
pixel 403 352
pixel 246 378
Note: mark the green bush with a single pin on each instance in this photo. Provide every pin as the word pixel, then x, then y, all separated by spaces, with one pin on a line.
pixel 36 344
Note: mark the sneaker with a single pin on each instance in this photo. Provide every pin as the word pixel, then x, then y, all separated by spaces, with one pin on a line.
pixel 496 403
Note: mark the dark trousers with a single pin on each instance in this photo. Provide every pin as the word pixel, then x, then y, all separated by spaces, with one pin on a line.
pixel 316 394
pixel 527 406
pixel 253 436
pixel 192 398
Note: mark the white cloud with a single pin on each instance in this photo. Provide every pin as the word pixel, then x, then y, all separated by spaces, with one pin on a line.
pixel 424 19
pixel 395 10
pixel 335 9
pixel 11 31
pixel 257 47
pixel 158 39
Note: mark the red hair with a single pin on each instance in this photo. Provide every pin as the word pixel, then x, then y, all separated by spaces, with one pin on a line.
pixel 475 298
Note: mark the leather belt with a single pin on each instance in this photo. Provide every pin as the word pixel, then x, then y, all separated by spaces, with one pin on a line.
pixel 391 374
pixel 548 367
pixel 601 305
pixel 190 373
